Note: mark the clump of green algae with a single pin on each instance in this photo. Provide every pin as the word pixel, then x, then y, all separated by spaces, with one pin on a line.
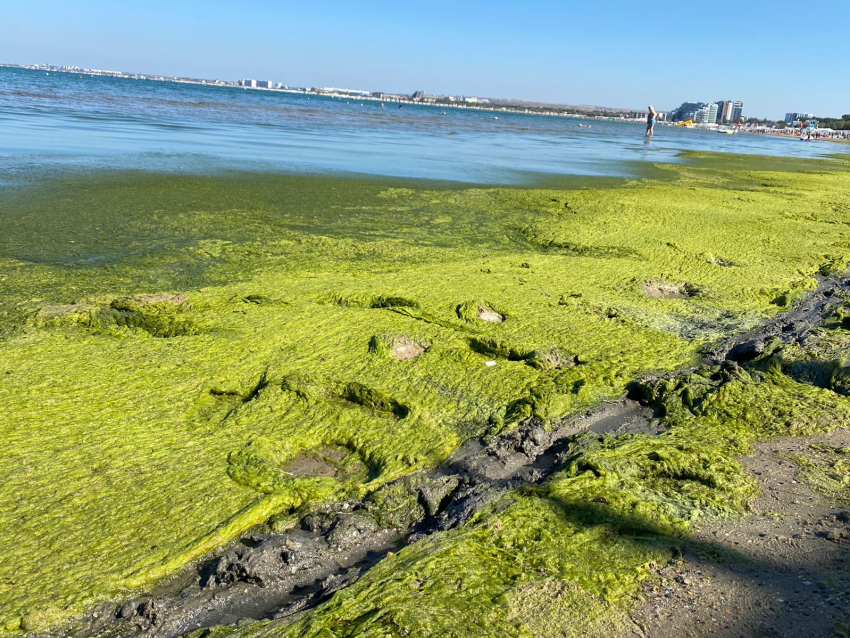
pixel 827 469
pixel 140 436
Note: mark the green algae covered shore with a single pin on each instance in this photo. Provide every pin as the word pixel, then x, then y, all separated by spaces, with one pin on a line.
pixel 185 358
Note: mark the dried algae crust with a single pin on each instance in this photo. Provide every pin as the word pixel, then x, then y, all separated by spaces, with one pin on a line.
pixel 142 432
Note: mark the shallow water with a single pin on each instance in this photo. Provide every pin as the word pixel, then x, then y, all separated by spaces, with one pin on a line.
pixel 49 121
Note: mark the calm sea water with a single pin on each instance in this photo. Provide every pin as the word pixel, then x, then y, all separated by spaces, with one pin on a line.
pixel 64 121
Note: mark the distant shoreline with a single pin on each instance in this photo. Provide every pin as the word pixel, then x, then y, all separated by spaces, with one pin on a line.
pixel 389 98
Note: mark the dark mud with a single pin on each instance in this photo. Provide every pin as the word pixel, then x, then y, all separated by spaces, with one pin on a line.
pixel 796 324
pixel 272 575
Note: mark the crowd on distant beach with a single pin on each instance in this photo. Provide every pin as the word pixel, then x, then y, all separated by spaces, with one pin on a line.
pixel 805 134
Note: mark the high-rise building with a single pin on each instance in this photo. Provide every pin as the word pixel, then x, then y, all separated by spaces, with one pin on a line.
pixel 686 111
pixel 706 113
pixel 724 111
pixel 790 118
pixel 265 84
pixel 737 111
pixel 251 84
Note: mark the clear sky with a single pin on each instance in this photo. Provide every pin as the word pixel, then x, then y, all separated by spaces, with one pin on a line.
pixel 775 55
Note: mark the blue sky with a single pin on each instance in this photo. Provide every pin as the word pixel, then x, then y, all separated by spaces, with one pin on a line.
pixel 773 55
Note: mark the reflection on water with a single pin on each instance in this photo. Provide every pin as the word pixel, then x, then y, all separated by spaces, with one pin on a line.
pixel 111 122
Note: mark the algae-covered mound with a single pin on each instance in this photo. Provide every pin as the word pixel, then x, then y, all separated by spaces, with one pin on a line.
pixel 174 348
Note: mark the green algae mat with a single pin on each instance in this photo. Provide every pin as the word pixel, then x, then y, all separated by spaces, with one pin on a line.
pixel 567 558
pixel 185 357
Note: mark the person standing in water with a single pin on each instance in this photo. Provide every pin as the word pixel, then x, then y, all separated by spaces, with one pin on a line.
pixel 650 121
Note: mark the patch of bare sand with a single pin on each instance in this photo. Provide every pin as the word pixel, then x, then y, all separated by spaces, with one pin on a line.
pixel 405 348
pixel 318 462
pixel 487 314
pixel 783 571
pixel 665 290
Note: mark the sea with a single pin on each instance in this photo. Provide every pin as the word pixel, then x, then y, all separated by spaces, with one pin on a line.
pixel 63 121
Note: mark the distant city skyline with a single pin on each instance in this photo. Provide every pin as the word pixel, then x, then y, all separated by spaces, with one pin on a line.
pixel 720 112
pixel 621 54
